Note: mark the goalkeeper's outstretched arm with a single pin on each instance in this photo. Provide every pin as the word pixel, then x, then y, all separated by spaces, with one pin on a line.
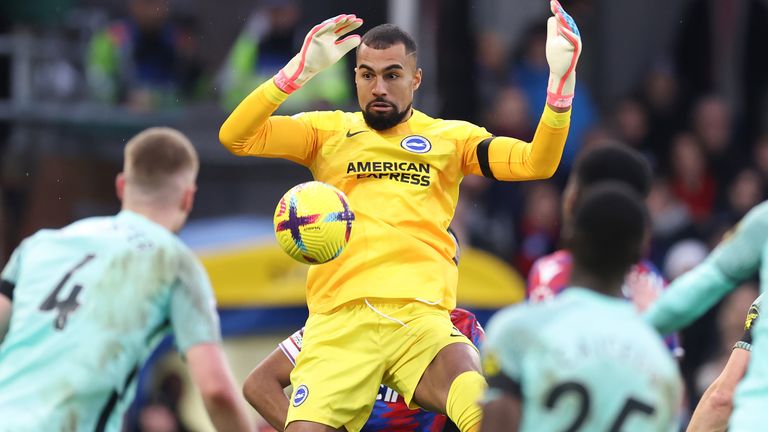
pixel 507 158
pixel 249 130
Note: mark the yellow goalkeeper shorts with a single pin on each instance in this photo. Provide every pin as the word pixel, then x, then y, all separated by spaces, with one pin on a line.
pixel 348 352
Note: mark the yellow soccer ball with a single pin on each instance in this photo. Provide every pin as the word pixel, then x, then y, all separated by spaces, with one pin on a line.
pixel 313 222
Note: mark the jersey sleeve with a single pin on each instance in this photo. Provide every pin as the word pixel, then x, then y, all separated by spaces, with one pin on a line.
pixel 745 342
pixel 193 308
pixel 10 275
pixel 502 355
pixel 251 130
pixel 291 346
pixel 737 258
pixel 507 158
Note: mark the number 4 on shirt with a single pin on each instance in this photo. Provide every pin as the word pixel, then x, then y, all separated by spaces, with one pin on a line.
pixel 68 305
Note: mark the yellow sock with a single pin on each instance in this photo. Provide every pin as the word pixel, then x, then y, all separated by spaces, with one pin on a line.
pixel 463 406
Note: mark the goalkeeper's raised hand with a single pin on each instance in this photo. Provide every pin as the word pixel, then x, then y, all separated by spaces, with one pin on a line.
pixel 321 49
pixel 563 49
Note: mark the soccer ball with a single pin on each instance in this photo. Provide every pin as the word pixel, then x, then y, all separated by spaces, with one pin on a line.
pixel 313 222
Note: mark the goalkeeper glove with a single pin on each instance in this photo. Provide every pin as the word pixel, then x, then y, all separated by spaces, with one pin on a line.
pixel 320 50
pixel 563 49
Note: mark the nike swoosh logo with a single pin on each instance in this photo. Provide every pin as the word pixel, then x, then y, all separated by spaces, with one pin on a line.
pixel 350 134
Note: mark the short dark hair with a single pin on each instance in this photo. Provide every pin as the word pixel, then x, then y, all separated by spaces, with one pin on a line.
pixel 384 36
pixel 608 230
pixel 155 156
pixel 616 162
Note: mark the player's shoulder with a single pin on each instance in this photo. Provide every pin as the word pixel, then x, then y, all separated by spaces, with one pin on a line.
pixel 515 319
pixel 92 227
pixel 331 120
pixel 456 129
pixel 189 265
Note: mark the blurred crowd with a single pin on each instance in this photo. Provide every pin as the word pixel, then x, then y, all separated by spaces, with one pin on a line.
pixel 695 110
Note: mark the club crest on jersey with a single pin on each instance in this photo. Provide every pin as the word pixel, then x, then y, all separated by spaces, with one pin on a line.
pixel 416 144
pixel 300 395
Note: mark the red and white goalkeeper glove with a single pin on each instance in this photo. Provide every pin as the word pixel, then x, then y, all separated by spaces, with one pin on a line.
pixel 321 49
pixel 563 49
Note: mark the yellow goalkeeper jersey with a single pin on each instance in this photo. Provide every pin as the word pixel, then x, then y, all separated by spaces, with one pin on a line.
pixel 402 183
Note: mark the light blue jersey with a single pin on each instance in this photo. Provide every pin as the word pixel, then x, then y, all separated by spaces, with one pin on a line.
pixel 742 255
pixel 582 362
pixel 89 304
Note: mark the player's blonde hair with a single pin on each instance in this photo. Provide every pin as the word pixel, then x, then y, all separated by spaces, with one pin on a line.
pixel 160 162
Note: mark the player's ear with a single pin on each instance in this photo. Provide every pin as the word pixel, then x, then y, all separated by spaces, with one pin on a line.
pixel 120 186
pixel 188 200
pixel 416 79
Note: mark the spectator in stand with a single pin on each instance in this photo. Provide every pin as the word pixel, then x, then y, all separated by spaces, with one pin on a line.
pixel 745 191
pixel 145 60
pixel 488 209
pixel 630 123
pixel 712 125
pixel 269 39
pixel 662 106
pixel 691 181
pixel 670 220
pixel 760 156
pixel 539 228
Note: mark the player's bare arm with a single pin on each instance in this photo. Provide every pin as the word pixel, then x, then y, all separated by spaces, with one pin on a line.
pixel 210 372
pixel 511 159
pixel 716 404
pixel 5 313
pixel 264 388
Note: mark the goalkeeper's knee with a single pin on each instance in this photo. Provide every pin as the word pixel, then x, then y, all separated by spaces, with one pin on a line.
pixel 463 406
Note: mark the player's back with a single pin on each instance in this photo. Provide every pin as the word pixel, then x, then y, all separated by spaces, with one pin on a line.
pixel 90 303
pixel 586 362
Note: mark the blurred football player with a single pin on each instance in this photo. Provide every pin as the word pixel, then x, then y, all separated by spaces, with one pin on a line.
pixel 83 307
pixel 550 274
pixel 585 360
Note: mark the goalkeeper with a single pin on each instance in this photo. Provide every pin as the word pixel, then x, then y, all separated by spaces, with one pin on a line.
pixel 380 312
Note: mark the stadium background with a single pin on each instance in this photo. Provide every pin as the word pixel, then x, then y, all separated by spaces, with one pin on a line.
pixel 683 81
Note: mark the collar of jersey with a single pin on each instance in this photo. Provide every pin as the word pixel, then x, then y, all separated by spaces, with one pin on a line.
pixel 406 127
pixel 587 293
pixel 134 217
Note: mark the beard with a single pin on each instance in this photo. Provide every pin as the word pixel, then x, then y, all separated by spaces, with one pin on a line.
pixel 383 121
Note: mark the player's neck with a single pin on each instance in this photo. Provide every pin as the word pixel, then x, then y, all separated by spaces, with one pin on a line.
pixel 585 279
pixel 161 216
